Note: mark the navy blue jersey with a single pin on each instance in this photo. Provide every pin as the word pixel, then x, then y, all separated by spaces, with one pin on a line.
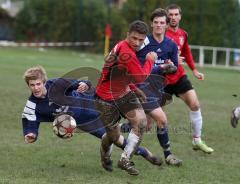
pixel 39 110
pixel 155 83
pixel 165 50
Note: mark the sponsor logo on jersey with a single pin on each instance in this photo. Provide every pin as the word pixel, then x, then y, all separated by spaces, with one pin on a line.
pixel 181 40
pixel 159 61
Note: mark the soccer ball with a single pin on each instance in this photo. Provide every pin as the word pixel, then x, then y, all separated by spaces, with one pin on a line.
pixel 64 126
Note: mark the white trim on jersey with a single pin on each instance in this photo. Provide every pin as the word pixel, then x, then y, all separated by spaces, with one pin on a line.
pixel 115 48
pixel 145 43
pixel 29 111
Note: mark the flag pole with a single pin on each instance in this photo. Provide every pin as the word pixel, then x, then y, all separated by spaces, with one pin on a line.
pixel 108 35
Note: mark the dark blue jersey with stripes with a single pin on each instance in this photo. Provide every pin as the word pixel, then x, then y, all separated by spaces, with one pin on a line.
pixel 62 97
pixel 39 110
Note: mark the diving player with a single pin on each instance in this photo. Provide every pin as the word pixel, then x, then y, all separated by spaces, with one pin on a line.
pixel 41 108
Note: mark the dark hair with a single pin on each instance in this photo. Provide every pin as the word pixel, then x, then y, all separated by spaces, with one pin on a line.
pixel 159 12
pixel 138 26
pixel 174 6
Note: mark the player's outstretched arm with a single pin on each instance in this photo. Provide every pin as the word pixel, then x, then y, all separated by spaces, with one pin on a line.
pixel 198 75
pixel 30 130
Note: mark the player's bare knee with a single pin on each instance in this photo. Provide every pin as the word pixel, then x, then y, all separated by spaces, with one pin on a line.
pixel 163 124
pixel 194 106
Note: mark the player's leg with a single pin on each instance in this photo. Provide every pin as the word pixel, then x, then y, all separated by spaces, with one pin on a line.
pixel 191 100
pixel 142 151
pixel 109 116
pixel 162 134
pixel 111 136
pixel 235 116
pixel 138 122
pixel 126 126
pixel 145 153
pixel 130 107
pixel 121 142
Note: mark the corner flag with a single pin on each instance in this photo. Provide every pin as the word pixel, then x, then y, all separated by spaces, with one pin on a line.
pixel 108 35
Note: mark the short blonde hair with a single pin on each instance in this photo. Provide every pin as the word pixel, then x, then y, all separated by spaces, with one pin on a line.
pixel 34 73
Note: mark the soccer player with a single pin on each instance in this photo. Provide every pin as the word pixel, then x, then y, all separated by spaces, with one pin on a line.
pixel 39 108
pixel 179 84
pixel 235 116
pixel 167 52
pixel 115 98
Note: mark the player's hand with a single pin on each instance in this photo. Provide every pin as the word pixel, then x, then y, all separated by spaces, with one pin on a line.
pixel 82 87
pixel 181 60
pixel 30 138
pixel 168 67
pixel 168 61
pixel 198 75
pixel 140 94
pixel 151 56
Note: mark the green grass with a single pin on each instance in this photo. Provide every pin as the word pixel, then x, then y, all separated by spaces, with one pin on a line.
pixel 52 160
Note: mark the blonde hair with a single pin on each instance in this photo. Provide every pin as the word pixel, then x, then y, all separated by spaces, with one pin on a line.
pixel 34 73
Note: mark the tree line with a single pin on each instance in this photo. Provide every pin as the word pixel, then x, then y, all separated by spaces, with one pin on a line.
pixel 208 22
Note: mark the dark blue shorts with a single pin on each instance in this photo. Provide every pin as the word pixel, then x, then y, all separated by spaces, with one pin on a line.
pixel 153 88
pixel 152 102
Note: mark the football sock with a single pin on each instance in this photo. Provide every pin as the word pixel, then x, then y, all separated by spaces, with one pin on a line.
pixel 162 135
pixel 126 127
pixel 142 151
pixel 121 143
pixel 132 143
pixel 196 120
pixel 197 139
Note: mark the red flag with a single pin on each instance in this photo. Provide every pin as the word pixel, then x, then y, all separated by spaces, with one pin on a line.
pixel 108 31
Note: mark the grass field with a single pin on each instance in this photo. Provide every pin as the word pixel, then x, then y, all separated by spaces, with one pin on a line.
pixel 52 160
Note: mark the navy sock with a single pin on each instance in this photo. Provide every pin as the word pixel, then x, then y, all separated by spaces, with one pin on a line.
pixel 162 134
pixel 139 151
pixel 126 127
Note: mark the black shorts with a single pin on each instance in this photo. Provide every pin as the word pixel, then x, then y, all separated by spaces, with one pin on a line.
pixel 112 111
pixel 181 86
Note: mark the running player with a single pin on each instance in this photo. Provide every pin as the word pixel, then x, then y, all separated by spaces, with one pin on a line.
pixel 167 52
pixel 179 84
pixel 115 98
